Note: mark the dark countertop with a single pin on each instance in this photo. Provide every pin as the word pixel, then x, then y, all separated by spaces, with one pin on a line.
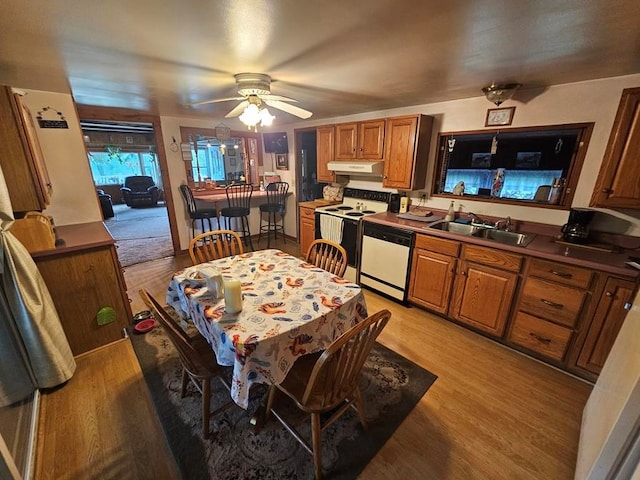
pixel 542 246
pixel 71 238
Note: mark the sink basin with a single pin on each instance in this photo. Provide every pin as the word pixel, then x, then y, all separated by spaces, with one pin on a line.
pixel 500 236
pixel 459 228
pixel 508 238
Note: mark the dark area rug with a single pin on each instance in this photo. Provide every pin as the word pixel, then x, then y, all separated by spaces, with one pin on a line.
pixel 391 386
pixel 142 234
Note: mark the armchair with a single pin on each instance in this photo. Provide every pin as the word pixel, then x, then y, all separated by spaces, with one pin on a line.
pixel 140 191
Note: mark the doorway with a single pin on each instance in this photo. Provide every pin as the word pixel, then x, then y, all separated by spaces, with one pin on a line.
pixel 121 145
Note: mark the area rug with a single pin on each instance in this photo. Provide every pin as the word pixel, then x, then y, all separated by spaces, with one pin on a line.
pixel 141 234
pixel 391 386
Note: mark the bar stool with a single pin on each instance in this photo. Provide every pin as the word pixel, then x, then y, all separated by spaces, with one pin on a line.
pixel 197 212
pixel 276 198
pixel 239 208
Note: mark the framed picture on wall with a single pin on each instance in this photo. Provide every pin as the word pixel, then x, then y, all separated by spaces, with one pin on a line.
pixel 282 161
pixel 499 116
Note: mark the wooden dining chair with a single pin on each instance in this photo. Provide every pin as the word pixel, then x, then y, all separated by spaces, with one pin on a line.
pixel 214 245
pixel 199 364
pixel 328 255
pixel 328 380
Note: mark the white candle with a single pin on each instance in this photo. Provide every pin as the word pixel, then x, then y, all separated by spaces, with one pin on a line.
pixel 232 295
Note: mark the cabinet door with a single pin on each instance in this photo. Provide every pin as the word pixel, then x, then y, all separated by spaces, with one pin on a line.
pixel 606 323
pixel 482 297
pixel 346 141
pixel 307 229
pixel 431 280
pixel 81 283
pixel 406 152
pixel 324 153
pixel 371 140
pixel 617 184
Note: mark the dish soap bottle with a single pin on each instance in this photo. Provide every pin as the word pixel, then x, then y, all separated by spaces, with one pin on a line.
pixel 451 214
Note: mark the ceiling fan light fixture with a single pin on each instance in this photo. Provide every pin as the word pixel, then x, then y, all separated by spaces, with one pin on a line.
pixel 500 93
pixel 266 119
pixel 251 115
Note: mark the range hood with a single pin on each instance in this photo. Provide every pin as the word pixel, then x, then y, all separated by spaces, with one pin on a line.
pixel 357 168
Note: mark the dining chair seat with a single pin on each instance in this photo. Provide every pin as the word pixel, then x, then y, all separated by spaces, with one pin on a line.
pixel 199 364
pixel 328 382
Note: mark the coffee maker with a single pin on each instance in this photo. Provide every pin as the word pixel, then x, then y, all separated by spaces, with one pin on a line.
pixel 576 230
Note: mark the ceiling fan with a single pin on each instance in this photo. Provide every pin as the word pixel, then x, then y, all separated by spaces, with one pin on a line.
pixel 255 89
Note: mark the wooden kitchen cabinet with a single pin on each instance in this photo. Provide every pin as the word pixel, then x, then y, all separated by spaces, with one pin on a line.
pixel 360 141
pixel 325 153
pixel 617 183
pixel 84 276
pixel 406 152
pixel 307 228
pixel 552 299
pixel 20 155
pixel 432 272
pixel 610 312
pixel 484 288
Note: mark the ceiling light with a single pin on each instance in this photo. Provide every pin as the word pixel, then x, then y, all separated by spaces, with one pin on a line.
pixel 251 115
pixel 255 114
pixel 266 119
pixel 500 93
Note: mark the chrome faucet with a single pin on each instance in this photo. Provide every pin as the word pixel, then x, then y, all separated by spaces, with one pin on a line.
pixel 505 221
pixel 476 218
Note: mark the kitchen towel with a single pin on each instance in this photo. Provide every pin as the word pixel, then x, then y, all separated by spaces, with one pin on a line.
pixel 331 228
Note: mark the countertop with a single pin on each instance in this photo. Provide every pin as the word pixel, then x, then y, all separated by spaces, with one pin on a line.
pixel 318 202
pixel 542 246
pixel 71 238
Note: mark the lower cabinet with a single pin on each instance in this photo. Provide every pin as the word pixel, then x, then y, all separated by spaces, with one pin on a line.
pixel 307 228
pixel 484 288
pixel 432 272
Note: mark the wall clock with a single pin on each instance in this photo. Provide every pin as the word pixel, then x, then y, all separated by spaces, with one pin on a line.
pixel 499 116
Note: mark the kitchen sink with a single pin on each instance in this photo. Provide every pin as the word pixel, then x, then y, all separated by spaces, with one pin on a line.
pixel 460 228
pixel 488 233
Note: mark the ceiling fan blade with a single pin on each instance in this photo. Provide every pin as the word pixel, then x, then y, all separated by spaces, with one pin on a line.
pixel 238 110
pixel 285 107
pixel 215 100
pixel 278 98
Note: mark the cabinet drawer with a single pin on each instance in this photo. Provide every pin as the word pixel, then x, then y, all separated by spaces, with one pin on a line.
pixel 540 336
pixel 492 257
pixel 438 245
pixel 561 273
pixel 308 213
pixel 558 303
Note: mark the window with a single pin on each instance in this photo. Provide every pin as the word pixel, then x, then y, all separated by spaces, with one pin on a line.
pixel 111 166
pixel 512 165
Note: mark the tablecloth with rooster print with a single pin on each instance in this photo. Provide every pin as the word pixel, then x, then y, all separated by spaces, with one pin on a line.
pixel 290 308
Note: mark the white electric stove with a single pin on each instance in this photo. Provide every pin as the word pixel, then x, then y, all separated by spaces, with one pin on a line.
pixel 341 223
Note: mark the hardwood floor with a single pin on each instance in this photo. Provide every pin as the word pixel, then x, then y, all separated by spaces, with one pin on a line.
pixel 492 414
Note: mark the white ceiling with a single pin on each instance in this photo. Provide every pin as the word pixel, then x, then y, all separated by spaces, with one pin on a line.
pixel 336 57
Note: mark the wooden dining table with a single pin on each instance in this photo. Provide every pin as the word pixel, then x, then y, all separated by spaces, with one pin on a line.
pixel 289 308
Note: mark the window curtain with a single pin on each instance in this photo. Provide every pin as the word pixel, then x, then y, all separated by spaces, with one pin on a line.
pixel 34 350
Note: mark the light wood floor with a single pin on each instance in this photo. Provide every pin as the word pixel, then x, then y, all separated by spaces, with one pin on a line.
pixel 492 413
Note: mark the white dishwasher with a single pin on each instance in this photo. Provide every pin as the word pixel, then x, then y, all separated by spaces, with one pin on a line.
pixel 385 259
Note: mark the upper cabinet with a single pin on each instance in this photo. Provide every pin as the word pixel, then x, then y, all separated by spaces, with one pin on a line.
pixel 617 185
pixel 20 155
pixel 360 141
pixel 406 152
pixel 324 153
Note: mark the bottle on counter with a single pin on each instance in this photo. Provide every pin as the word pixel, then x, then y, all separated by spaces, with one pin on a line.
pixel 451 214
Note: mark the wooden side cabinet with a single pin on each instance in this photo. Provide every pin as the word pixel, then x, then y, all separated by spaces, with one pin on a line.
pixel 607 320
pixel 307 228
pixel 406 152
pixel 617 183
pixel 432 272
pixel 325 153
pixel 484 288
pixel 83 277
pixel 20 155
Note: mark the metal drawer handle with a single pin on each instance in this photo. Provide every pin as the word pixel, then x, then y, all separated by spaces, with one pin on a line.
pixel 561 274
pixel 546 341
pixel 551 304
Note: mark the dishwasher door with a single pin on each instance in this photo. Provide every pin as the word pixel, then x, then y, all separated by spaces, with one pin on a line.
pixel 385 259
